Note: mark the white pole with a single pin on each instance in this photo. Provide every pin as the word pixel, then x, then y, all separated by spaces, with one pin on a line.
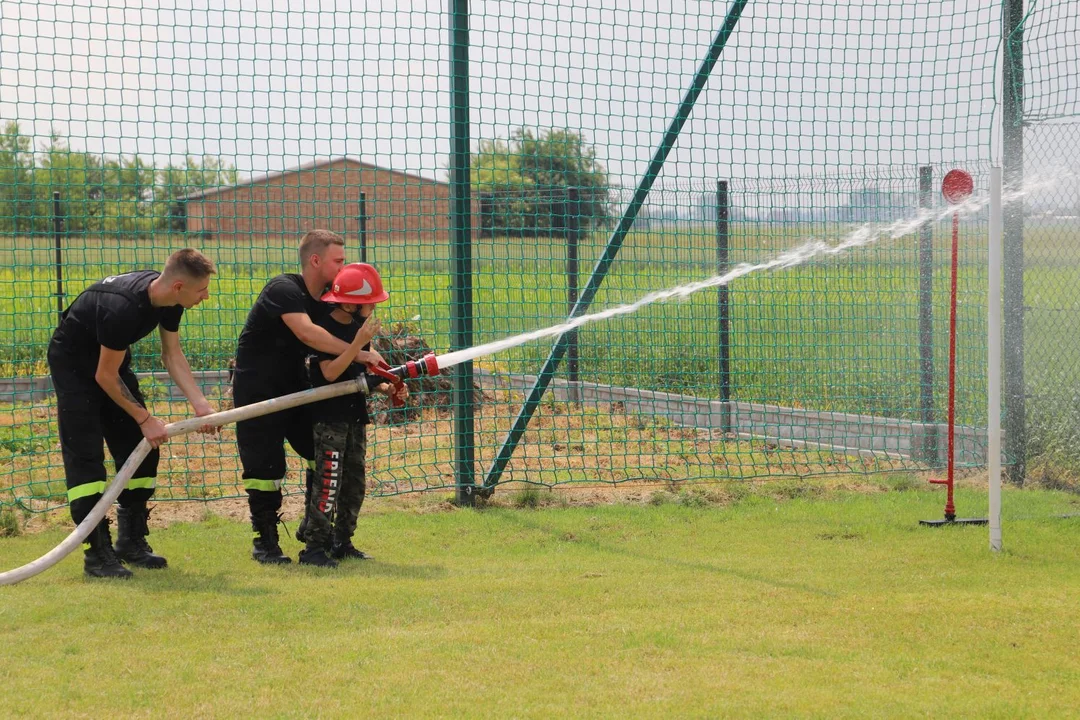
pixel 993 360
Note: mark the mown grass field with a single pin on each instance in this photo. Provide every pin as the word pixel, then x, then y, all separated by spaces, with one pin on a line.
pixel 700 604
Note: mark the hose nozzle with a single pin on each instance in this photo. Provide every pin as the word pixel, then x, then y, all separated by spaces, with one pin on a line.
pixel 427 365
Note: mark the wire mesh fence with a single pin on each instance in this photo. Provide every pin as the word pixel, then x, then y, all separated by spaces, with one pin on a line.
pixel 234 130
pixel 1051 130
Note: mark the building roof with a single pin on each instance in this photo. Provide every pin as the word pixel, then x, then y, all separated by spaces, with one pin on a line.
pixel 314 164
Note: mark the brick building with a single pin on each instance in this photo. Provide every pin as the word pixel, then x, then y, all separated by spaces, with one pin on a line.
pixel 399 206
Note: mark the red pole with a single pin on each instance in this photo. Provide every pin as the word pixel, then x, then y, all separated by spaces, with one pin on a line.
pixel 957 187
pixel 950 509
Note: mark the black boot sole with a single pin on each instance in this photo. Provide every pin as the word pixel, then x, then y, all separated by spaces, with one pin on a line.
pixel 145 564
pixel 126 575
pixel 319 565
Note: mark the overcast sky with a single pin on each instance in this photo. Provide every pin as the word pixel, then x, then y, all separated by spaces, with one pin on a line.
pixel 803 87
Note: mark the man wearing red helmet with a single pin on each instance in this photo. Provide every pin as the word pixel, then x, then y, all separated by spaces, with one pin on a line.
pixel 333 500
pixel 280 331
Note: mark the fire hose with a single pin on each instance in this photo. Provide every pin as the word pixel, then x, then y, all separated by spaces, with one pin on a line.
pixel 395 376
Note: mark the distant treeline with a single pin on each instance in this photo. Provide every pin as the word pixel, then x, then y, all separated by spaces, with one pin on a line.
pixel 99 194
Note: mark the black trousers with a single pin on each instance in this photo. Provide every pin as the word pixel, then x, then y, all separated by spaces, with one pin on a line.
pixel 261 442
pixel 89 420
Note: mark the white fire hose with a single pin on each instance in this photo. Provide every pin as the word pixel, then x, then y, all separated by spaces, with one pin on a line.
pixel 183 427
pixel 428 365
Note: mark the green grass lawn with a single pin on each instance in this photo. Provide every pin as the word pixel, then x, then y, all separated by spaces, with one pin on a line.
pixel 838 605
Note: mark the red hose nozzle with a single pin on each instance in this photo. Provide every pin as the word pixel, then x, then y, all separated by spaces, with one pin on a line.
pixel 427 365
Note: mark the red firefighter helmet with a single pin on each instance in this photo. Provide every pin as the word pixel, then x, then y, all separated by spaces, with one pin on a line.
pixel 356 284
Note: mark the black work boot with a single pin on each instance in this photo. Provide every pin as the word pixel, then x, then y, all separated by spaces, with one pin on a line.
pixel 265 543
pixel 346 551
pixel 99 559
pixel 316 556
pixel 131 532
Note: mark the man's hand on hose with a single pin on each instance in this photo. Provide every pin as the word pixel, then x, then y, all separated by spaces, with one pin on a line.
pixel 201 409
pixel 153 430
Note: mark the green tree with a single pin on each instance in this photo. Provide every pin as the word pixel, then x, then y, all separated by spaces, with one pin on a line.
pixel 127 194
pixel 74 175
pixel 176 182
pixel 121 196
pixel 525 183
pixel 99 195
pixel 16 181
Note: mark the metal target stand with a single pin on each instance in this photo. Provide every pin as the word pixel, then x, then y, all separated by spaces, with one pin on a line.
pixel 957 187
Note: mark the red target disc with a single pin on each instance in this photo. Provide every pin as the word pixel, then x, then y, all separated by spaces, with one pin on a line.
pixel 957 186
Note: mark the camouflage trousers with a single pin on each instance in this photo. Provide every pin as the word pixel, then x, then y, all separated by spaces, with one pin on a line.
pixel 336 487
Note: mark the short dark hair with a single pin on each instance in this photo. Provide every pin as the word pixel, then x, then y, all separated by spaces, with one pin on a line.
pixel 315 242
pixel 190 263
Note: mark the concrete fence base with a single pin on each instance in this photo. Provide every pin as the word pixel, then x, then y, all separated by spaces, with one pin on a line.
pixel 784 426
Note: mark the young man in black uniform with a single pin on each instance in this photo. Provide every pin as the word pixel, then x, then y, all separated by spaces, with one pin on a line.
pixel 333 503
pixel 278 335
pixel 98 398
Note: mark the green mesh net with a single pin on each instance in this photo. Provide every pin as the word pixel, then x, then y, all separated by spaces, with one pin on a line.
pixel 132 131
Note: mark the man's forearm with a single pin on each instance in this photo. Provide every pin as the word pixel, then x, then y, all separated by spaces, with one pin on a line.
pixel 119 393
pixel 320 339
pixel 180 371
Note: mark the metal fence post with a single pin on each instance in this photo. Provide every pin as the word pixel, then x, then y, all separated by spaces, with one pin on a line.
pixel 926 319
pixel 1012 134
pixel 58 236
pixel 573 236
pixel 461 321
pixel 361 227
pixel 723 214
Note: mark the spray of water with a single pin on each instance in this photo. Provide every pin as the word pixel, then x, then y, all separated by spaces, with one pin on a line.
pixel 860 237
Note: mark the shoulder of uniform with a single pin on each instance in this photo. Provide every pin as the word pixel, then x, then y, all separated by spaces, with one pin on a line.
pixel 287 280
pixel 276 283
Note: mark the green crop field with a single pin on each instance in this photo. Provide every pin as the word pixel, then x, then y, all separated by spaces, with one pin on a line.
pixel 839 334
pixel 833 335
